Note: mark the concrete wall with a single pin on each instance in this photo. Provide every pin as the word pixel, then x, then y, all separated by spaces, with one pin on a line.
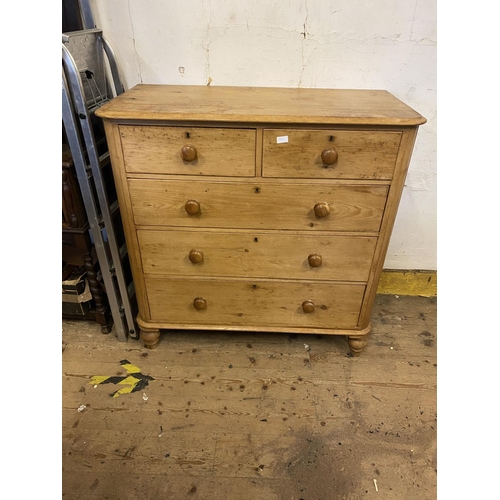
pixel 383 44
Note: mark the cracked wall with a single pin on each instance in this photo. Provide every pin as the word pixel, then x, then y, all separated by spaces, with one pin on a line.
pixel 387 44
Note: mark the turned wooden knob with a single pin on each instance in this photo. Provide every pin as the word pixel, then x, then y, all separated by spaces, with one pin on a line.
pixel 196 256
pixel 329 156
pixel 315 260
pixel 189 153
pixel 199 303
pixel 192 207
pixel 308 306
pixel 321 209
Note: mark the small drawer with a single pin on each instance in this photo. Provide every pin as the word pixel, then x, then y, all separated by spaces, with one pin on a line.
pixel 268 303
pixel 258 254
pixel 188 151
pixel 329 154
pixel 257 205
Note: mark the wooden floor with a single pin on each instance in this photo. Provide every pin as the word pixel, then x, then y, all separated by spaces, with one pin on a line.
pixel 255 416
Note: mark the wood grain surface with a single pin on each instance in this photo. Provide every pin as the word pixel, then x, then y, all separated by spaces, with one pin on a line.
pixel 361 154
pixel 258 254
pixel 255 416
pixel 260 105
pixel 257 205
pixel 254 303
pixel 224 152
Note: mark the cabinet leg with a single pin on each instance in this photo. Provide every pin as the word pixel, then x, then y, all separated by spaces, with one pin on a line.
pixel 357 343
pixel 102 312
pixel 106 328
pixel 150 337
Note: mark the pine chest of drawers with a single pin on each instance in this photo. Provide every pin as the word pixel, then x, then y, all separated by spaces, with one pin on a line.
pixel 258 209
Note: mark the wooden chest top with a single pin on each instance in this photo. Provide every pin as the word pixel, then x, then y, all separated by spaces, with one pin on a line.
pixel 260 105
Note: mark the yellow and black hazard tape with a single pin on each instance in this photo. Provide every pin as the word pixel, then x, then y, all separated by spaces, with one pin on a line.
pixel 134 380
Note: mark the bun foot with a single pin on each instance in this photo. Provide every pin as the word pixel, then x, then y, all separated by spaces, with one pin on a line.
pixel 357 344
pixel 150 338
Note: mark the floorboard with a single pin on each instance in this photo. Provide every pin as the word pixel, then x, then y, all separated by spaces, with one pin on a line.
pixel 252 416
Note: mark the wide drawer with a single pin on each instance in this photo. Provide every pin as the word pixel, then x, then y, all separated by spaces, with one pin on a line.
pixel 208 151
pixel 259 205
pixel 256 303
pixel 256 254
pixel 331 154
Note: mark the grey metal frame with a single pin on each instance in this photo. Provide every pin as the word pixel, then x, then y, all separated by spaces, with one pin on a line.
pixel 86 14
pixel 91 209
pixel 89 23
pixel 113 67
pixel 88 164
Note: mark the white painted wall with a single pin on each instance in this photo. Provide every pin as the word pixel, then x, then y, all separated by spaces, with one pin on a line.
pixel 383 44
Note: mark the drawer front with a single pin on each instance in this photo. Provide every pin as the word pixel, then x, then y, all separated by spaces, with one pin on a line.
pixel 256 254
pixel 256 303
pixel 259 205
pixel 207 151
pixel 329 154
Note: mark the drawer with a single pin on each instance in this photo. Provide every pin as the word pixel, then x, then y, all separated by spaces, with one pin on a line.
pixel 208 151
pixel 329 154
pixel 256 254
pixel 257 205
pixel 256 303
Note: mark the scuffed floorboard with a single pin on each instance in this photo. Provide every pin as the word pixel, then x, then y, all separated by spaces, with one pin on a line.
pixel 255 416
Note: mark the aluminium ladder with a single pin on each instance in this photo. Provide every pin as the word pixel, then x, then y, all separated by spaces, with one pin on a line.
pixel 85 87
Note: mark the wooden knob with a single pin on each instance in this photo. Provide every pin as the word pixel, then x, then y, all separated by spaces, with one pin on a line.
pixel 196 256
pixel 321 209
pixel 329 156
pixel 308 306
pixel 189 153
pixel 315 260
pixel 192 207
pixel 199 303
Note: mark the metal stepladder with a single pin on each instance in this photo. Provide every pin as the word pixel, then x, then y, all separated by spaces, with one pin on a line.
pixel 87 85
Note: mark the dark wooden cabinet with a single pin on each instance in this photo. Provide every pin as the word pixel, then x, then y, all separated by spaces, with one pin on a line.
pixel 77 246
